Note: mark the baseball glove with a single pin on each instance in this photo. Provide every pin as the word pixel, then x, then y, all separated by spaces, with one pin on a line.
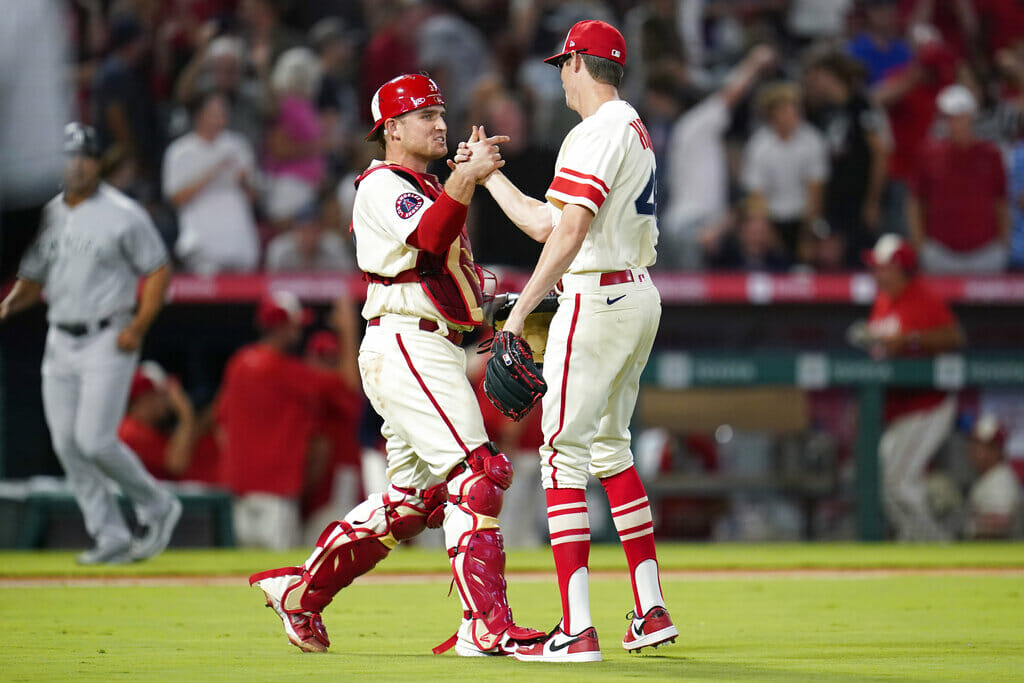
pixel 512 382
pixel 535 327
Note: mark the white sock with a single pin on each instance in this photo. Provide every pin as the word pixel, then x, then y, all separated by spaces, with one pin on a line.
pixel 579 602
pixel 648 588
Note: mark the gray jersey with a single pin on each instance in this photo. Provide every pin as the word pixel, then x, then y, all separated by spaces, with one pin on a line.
pixel 89 257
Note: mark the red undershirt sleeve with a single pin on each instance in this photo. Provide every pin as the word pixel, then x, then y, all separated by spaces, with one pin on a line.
pixel 440 224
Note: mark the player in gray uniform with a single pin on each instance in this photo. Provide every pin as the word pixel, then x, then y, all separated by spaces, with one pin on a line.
pixel 93 245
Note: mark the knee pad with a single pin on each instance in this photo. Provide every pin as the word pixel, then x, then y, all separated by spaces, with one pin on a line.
pixel 479 485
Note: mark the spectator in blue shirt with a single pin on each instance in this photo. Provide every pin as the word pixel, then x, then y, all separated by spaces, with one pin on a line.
pixel 880 47
pixel 1017 208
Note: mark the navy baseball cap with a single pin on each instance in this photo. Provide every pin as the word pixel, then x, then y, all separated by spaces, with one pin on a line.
pixel 81 139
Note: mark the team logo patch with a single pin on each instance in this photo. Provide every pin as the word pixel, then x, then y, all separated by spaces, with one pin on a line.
pixel 408 204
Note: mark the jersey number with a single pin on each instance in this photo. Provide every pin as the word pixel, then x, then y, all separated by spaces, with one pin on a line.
pixel 648 198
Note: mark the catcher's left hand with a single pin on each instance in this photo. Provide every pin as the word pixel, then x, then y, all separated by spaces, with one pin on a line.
pixel 535 327
pixel 513 382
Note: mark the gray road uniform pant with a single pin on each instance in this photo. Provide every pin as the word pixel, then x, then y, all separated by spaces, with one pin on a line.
pixel 85 390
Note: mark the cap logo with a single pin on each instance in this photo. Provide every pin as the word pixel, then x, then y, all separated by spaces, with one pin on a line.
pixel 616 53
pixel 418 101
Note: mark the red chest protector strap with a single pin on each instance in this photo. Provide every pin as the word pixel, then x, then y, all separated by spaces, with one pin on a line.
pixel 451 280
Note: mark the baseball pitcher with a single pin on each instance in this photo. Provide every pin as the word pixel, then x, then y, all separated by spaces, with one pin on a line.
pixel 599 232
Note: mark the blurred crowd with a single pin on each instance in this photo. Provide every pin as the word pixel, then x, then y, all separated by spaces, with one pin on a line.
pixel 789 133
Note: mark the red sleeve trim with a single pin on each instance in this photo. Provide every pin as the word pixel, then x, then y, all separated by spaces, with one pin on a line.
pixel 439 225
pixel 583 191
pixel 585 176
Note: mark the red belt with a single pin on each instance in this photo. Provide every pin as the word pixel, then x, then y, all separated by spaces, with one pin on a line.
pixel 454 336
pixel 616 278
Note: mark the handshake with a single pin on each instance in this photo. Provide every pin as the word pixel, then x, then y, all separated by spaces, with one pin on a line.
pixel 478 157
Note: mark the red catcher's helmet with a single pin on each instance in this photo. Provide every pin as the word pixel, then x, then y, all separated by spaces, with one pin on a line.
pixel 403 94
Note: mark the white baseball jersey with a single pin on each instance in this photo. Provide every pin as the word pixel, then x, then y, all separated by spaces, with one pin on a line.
pixel 387 209
pixel 606 164
pixel 415 380
pixel 90 256
pixel 997 492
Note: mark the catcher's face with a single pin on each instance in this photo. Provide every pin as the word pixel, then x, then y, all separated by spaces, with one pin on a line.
pixel 422 133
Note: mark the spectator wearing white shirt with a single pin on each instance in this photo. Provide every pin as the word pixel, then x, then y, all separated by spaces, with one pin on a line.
pixel 994 502
pixel 209 176
pixel 698 176
pixel 308 246
pixel 785 167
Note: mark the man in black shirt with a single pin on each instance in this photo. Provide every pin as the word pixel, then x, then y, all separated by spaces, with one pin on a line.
pixel 858 140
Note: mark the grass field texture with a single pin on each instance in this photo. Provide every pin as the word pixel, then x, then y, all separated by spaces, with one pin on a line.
pixel 740 618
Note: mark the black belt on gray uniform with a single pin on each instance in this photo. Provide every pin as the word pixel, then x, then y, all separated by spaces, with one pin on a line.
pixel 81 329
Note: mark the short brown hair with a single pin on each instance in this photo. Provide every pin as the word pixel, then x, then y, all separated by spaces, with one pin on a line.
pixel 602 70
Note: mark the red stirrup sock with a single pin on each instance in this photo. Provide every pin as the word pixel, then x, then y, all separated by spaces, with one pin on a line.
pixel 632 516
pixel 569 526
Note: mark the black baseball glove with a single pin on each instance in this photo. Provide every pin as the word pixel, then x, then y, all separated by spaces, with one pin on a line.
pixel 513 382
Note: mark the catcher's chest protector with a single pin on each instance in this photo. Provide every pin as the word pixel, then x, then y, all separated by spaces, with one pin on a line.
pixel 451 280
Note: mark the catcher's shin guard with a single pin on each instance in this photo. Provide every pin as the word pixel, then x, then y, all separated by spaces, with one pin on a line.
pixel 476 490
pixel 350 548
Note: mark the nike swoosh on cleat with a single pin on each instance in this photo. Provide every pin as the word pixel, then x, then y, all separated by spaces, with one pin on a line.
pixel 555 647
pixel 611 301
pixel 639 629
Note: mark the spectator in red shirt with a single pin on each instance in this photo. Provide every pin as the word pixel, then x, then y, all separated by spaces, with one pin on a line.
pixel 958 213
pixel 907 319
pixel 161 426
pixel 267 408
pixel 908 96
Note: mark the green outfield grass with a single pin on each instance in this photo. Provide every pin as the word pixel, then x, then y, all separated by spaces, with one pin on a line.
pixel 848 627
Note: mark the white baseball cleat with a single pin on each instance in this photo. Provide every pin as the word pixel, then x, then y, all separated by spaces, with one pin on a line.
pixel 562 647
pixel 305 630
pixel 653 629
pixel 158 534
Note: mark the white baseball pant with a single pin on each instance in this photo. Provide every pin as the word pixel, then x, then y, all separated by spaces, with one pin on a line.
pixel 598 345
pixel 906 447
pixel 417 382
